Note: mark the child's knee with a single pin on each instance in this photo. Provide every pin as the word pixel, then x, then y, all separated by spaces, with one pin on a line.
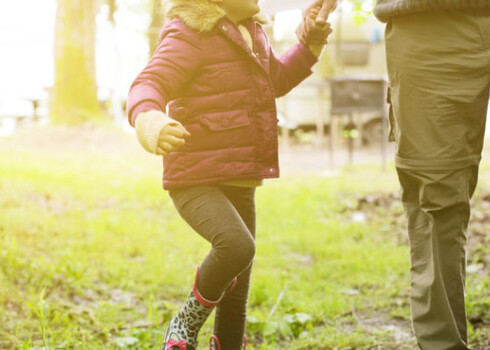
pixel 243 253
pixel 249 250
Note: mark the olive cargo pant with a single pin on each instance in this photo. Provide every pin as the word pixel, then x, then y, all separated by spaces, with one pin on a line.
pixel 439 69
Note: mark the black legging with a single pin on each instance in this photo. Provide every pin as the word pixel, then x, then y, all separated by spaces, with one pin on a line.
pixel 224 216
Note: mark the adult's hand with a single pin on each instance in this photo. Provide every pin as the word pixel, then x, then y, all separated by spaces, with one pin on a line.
pixel 327 6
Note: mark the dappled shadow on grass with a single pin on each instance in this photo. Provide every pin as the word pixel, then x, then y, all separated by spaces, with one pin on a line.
pixel 388 208
pixel 80 219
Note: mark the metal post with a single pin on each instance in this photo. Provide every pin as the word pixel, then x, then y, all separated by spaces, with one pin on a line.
pixel 320 124
pixel 384 134
pixel 285 129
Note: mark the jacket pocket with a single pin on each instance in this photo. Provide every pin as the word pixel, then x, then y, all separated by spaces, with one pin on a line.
pixel 226 120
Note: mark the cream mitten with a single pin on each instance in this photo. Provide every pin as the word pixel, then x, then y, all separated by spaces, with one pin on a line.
pixel 149 126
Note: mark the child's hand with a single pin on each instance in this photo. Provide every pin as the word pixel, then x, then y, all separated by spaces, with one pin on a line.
pixel 312 33
pixel 158 133
pixel 171 138
pixel 319 31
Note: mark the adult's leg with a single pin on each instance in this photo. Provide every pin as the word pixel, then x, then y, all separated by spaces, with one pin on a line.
pixel 439 87
pixel 438 210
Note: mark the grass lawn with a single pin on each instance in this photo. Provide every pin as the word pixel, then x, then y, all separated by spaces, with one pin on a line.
pixel 93 254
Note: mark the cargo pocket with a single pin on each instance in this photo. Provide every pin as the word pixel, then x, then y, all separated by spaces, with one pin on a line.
pixel 391 116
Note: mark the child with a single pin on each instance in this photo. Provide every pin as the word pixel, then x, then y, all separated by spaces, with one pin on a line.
pixel 216 73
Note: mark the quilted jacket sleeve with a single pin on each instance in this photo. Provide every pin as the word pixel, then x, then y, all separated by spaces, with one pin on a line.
pixel 174 63
pixel 291 68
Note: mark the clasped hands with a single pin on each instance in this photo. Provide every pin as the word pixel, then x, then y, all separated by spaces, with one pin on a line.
pixel 314 30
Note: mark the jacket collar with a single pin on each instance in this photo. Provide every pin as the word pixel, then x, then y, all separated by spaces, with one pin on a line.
pixel 201 15
pixel 228 29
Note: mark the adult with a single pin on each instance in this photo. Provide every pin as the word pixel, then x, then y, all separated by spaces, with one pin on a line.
pixel 438 55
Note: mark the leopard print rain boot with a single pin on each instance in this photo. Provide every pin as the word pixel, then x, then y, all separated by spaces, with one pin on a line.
pixel 184 328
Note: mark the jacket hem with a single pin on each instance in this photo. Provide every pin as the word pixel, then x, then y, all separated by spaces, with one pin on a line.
pixel 170 184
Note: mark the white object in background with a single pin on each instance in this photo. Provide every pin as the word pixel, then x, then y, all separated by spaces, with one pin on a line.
pixel 7 127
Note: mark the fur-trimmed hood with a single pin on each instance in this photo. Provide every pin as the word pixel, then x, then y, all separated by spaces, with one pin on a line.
pixel 201 15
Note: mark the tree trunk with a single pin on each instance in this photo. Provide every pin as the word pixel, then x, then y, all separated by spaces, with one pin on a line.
pixel 157 20
pixel 75 90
